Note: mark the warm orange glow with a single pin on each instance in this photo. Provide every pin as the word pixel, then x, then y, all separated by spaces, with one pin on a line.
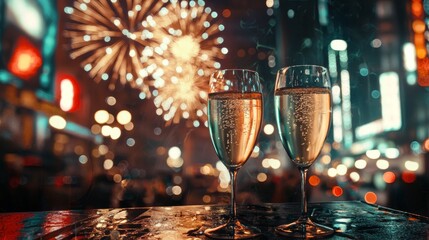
pixel 421 53
pixel 426 144
pixel 423 71
pixel 419 26
pixel 25 60
pixel 337 191
pixel 226 13
pixel 389 177
pixel 314 180
pixel 419 40
pixel 370 197
pixel 185 48
pixel 416 8
pixel 408 177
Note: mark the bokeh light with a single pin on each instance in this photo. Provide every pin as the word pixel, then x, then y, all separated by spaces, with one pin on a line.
pixel 337 191
pixel 332 172
pixel 341 169
pixel 268 129
pixel 314 180
pixel 174 152
pixel 408 177
pixel 360 164
pixel 411 165
pixel 370 197
pixel 392 153
pixel 354 176
pixel 106 130
pixel 426 144
pixel 382 164
pixel 115 133
pixel 123 117
pixel 389 177
pixel 373 154
pixel 101 116
pixel 57 122
pixel 261 177
pixel 325 159
pixel 108 164
pixel 83 159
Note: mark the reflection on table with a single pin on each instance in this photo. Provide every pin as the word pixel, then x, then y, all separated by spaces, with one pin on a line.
pixel 351 220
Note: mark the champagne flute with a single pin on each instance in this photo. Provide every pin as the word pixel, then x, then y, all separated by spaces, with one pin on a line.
pixel 234 116
pixel 302 102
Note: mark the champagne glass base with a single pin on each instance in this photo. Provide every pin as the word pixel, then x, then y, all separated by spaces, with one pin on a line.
pixel 304 228
pixel 233 229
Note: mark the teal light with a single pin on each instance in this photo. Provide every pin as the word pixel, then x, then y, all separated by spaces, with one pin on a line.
pixel 6 77
pixel 415 147
pixel 307 43
pixel 379 182
pixel 363 72
pixel 375 94
pixel 49 43
pixel 343 58
pixel 291 13
pixel 332 59
pixel 323 12
pixel 82 131
pixel 411 78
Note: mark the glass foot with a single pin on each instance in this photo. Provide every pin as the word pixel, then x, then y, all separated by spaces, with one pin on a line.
pixel 232 230
pixel 304 229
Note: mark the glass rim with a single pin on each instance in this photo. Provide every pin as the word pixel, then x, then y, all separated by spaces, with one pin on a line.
pixel 302 65
pixel 235 69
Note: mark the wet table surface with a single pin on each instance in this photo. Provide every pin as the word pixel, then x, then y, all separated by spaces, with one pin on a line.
pixel 351 220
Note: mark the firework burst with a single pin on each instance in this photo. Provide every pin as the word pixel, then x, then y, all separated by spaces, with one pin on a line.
pixel 110 36
pixel 189 50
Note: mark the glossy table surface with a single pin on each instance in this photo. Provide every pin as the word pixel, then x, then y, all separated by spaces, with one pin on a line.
pixel 351 220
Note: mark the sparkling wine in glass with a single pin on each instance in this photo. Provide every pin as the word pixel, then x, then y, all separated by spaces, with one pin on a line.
pixel 235 116
pixel 302 102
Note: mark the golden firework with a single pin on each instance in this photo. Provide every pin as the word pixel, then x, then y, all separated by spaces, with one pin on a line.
pixel 189 50
pixel 110 38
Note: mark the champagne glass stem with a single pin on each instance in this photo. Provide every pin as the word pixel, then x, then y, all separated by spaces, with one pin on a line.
pixel 304 209
pixel 233 174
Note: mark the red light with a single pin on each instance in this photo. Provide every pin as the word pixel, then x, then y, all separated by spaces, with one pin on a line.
pixel 389 177
pixel 314 180
pixel 226 13
pixel 337 191
pixel 12 224
pixel 67 92
pixel 371 197
pixel 408 177
pixel 423 71
pixel 25 60
pixel 417 9
pixel 58 181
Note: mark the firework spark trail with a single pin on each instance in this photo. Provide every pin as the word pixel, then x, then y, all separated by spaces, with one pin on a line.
pixel 168 48
pixel 188 53
pixel 109 36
